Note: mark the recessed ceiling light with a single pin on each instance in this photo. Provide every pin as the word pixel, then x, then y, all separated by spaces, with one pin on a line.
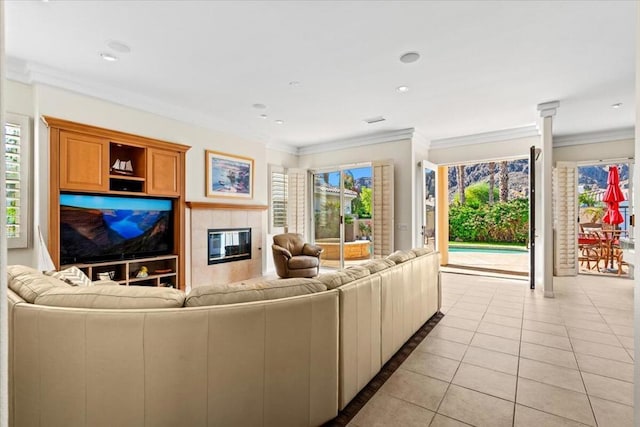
pixel 402 88
pixel 108 57
pixel 263 116
pixel 410 57
pixel 279 122
pixel 259 106
pixel 118 46
pixel 294 83
pixel 617 105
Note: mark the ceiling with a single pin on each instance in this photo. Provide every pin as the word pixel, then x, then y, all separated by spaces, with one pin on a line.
pixel 484 65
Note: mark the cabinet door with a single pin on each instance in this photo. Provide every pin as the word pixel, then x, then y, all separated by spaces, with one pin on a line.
pixel 163 172
pixel 84 162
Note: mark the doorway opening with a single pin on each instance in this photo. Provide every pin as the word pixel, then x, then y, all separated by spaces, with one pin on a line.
pixel 605 239
pixel 489 216
pixel 343 215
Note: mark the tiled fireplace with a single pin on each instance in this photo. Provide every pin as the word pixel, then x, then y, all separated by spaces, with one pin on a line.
pixel 226 242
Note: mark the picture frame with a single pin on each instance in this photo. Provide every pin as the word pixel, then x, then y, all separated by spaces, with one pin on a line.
pixel 228 175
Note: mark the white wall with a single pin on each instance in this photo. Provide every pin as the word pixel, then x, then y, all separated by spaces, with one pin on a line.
pixel 621 149
pixel 39 100
pixel 401 152
pixel 478 153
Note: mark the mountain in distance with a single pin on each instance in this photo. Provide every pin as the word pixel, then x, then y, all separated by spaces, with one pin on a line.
pixel 592 176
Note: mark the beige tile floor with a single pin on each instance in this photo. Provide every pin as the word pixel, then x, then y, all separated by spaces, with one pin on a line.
pixel 506 356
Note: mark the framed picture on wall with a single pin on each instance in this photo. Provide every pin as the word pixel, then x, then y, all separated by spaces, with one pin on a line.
pixel 228 175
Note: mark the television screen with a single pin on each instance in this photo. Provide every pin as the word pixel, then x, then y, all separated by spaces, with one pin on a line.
pixel 100 228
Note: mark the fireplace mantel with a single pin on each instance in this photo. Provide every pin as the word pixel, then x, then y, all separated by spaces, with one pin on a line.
pixel 227 206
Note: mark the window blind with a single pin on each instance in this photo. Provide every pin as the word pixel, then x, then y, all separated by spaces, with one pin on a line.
pixel 279 191
pixel 383 213
pixel 296 207
pixel 565 212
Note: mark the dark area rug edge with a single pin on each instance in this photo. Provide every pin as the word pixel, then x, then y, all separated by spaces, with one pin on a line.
pixel 361 399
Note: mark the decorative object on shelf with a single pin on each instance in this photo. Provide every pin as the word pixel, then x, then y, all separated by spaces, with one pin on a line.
pixel 162 271
pixel 123 167
pixel 106 275
pixel 143 272
pixel 228 175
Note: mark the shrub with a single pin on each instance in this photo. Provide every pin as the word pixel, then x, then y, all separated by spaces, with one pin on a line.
pixel 502 222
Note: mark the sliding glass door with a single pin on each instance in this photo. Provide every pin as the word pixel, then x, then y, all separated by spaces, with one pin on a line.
pixel 342 220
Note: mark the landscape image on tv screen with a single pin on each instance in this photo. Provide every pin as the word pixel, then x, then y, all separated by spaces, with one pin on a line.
pixel 94 228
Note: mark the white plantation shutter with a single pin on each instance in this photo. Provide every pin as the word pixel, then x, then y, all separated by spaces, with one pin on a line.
pixel 383 219
pixel 297 193
pixel 278 199
pixel 565 213
pixel 16 152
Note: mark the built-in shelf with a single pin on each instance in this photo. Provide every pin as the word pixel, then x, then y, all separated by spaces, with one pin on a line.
pixel 124 271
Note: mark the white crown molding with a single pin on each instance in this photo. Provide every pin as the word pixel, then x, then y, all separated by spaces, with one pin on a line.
pixel 421 141
pixel 283 147
pixel 548 109
pixel 482 138
pixel 594 137
pixel 357 141
pixel 33 73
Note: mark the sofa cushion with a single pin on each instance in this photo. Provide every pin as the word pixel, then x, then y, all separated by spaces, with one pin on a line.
pixel 28 282
pixel 335 279
pixel 356 271
pixel 401 256
pixel 246 292
pixel 72 275
pixel 112 297
pixel 303 261
pixel 421 251
pixel 376 265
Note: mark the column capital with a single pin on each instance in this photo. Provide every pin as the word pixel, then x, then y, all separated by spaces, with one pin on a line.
pixel 548 109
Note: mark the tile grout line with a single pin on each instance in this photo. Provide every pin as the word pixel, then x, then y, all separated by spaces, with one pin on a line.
pixel 593 413
pixel 454 375
pixel 515 397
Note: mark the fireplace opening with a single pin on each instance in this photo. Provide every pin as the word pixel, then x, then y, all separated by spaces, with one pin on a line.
pixel 231 244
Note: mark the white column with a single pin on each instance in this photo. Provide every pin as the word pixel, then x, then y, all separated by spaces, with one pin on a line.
pixel 544 213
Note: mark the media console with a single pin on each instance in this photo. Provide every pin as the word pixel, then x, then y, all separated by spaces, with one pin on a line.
pixel 90 160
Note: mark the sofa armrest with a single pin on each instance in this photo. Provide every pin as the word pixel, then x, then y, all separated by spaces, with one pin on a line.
pixel 311 250
pixel 281 251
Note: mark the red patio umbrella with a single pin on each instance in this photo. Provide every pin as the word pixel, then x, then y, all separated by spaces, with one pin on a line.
pixel 613 195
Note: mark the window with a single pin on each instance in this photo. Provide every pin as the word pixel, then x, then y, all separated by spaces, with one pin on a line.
pixel 17 140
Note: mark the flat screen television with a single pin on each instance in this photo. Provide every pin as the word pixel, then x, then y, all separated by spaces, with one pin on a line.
pixel 101 228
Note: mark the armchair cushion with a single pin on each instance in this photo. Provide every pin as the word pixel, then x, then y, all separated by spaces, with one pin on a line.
pixel 311 250
pixel 303 261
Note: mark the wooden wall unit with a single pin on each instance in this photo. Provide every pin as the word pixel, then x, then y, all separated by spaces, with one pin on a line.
pixel 81 159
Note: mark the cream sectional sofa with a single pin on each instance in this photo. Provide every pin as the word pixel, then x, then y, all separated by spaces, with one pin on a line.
pixel 293 354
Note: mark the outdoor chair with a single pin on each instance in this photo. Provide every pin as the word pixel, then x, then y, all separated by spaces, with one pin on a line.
pixel 589 250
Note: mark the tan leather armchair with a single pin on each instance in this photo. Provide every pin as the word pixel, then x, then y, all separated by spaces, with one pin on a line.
pixel 295 258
